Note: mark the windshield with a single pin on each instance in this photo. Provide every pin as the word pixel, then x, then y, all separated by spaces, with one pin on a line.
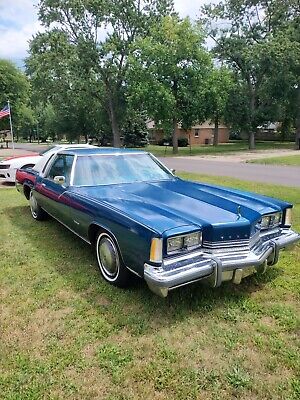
pixel 112 169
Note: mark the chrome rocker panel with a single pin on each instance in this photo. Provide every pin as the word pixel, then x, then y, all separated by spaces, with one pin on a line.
pixel 218 266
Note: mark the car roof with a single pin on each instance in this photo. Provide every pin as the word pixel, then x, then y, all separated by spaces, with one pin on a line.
pixel 101 150
pixel 75 146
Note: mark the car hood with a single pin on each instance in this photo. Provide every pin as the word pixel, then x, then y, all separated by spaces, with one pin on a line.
pixel 20 160
pixel 178 205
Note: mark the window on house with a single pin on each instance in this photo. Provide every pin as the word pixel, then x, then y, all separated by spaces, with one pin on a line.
pixel 196 132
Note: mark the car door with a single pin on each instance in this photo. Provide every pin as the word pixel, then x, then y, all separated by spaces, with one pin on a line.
pixel 52 195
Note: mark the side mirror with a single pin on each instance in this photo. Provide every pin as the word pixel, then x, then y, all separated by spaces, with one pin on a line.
pixel 60 180
pixel 173 171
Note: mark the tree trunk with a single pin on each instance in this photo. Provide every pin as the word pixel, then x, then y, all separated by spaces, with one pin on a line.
pixel 252 111
pixel 252 140
pixel 297 139
pixel 216 130
pixel 174 137
pixel 113 120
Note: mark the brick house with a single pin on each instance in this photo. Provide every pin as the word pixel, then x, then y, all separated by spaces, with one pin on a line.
pixel 198 134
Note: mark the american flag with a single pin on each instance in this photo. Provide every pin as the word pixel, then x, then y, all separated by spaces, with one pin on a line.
pixel 4 112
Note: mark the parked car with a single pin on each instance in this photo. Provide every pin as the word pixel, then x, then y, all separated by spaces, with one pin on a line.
pixel 10 165
pixel 142 219
pixel 25 176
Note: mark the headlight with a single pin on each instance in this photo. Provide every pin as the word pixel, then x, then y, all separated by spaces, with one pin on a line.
pixel 175 243
pixel 192 240
pixel 288 217
pixel 270 221
pixel 184 242
pixel 265 222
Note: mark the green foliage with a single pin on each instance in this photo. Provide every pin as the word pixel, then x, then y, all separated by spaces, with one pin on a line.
pixel 256 39
pixel 91 67
pixel 168 74
pixel 220 84
pixel 135 131
pixel 15 87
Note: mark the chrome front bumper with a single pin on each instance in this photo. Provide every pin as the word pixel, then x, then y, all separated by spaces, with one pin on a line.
pixel 219 265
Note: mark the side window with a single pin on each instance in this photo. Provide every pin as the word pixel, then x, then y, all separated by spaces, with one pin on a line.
pixel 62 166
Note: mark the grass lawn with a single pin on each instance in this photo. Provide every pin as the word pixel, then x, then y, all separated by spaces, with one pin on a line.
pixel 65 334
pixel 231 147
pixel 287 160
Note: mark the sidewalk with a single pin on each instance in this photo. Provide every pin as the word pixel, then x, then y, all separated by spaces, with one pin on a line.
pixel 243 157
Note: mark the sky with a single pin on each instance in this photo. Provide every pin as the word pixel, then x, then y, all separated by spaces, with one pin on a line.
pixel 18 22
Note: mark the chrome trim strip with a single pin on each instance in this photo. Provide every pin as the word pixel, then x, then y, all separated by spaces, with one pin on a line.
pixel 108 154
pixel 73 170
pixel 187 256
pixel 134 272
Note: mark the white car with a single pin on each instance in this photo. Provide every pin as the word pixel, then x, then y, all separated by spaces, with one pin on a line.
pixel 9 166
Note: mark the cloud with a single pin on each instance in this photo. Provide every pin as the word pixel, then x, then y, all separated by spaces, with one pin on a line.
pixel 19 22
pixel 189 7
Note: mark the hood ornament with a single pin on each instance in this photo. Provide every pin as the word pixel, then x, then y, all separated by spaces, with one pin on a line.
pixel 239 212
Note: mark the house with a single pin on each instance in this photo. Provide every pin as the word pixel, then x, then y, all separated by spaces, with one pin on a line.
pixel 197 135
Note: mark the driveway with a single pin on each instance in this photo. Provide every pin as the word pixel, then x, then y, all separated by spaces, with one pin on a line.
pixel 280 175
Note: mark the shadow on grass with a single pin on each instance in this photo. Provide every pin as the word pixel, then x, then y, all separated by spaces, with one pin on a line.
pixel 74 260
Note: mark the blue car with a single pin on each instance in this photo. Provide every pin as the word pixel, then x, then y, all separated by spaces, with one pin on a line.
pixel 144 220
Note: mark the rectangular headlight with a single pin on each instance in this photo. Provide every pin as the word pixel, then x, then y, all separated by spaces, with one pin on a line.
pixel 265 222
pixel 174 244
pixel 288 217
pixel 270 221
pixel 193 240
pixel 184 242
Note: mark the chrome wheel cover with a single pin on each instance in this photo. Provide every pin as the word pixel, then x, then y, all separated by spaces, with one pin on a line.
pixel 108 257
pixel 33 205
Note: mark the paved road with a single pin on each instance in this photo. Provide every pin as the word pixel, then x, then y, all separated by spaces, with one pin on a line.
pixel 31 147
pixel 287 176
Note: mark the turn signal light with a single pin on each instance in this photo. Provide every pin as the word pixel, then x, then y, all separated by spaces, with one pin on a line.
pixel 156 250
pixel 288 217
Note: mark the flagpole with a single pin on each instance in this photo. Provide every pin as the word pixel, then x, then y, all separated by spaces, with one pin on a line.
pixel 11 129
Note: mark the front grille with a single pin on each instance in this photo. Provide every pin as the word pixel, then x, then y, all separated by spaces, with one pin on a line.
pixel 4 166
pixel 240 246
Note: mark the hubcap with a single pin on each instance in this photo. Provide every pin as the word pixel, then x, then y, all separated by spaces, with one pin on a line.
pixel 33 205
pixel 108 257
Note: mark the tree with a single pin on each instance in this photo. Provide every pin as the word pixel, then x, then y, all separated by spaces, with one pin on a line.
pixel 168 75
pixel 220 83
pixel 14 86
pixel 26 122
pixel 242 31
pixel 74 26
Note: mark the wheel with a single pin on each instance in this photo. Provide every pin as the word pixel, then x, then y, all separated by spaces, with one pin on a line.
pixel 109 261
pixel 36 211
